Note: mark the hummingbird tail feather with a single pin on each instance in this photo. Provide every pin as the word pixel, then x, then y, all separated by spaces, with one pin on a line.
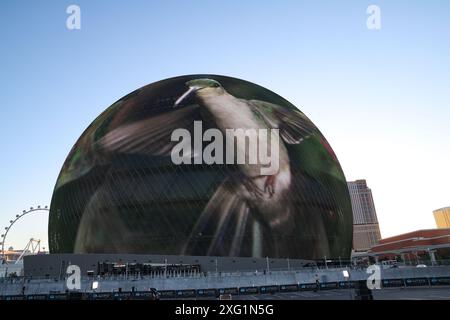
pixel 216 219
pixel 241 225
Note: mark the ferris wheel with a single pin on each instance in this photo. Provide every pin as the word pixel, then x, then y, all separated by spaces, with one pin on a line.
pixel 33 244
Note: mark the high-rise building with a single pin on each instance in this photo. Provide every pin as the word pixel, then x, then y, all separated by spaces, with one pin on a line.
pixel 366 230
pixel 442 217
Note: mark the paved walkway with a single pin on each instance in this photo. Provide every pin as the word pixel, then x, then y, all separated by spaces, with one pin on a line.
pixel 442 293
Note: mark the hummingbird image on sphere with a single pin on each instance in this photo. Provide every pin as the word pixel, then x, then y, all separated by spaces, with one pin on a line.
pixel 250 191
pixel 246 199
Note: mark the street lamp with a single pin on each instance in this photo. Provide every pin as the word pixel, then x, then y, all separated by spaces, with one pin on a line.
pixel 216 266
pixel 165 268
pixel 346 275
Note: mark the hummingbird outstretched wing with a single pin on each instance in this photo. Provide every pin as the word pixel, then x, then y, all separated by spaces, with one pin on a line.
pixel 151 135
pixel 294 126
pixel 98 228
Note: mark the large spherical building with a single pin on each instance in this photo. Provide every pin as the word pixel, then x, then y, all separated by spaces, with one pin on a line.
pixel 155 174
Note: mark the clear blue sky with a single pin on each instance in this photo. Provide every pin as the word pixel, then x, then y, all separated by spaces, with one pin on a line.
pixel 381 98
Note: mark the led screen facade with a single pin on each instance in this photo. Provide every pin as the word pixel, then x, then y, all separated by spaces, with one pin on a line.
pixel 202 165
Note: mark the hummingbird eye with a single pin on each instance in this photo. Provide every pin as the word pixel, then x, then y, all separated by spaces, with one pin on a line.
pixel 215 85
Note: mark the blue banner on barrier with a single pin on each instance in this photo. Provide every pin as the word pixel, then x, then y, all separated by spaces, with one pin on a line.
pixel 307 286
pixel 101 296
pixel 228 291
pixel 413 282
pixel 122 295
pixel 143 295
pixel 346 284
pixel 440 281
pixel 328 285
pixel 389 283
pixel 289 288
pixel 167 294
pixel 57 296
pixel 206 292
pixel 248 290
pixel 186 293
pixel 268 289
pixel 37 297
pixel 14 297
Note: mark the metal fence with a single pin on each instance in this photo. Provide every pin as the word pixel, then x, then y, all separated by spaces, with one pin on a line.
pixel 164 274
pixel 213 293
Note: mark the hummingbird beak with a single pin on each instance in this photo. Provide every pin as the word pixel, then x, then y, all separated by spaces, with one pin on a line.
pixel 186 95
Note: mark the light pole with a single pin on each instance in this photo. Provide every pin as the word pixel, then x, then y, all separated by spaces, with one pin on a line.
pixel 432 256
pixel 216 267
pixel 165 268
pixel 347 276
